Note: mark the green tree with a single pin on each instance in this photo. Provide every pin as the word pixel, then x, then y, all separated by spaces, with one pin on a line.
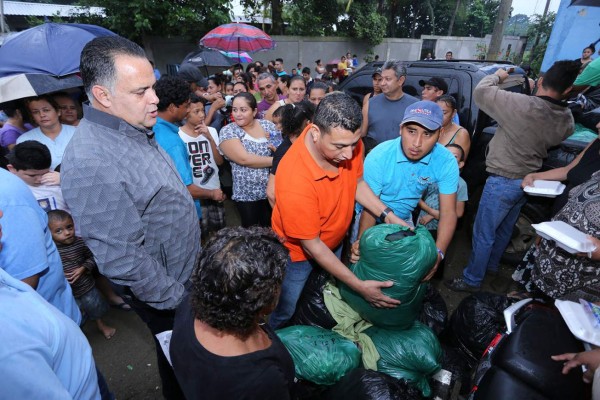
pixel 540 29
pixel 365 23
pixel 268 8
pixel 138 19
pixel 517 25
pixel 303 20
pixel 479 18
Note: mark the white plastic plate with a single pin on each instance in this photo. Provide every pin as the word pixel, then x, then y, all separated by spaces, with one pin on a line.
pixel 578 322
pixel 565 236
pixel 545 188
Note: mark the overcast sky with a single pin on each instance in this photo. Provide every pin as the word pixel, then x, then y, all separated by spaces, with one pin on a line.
pixel 530 7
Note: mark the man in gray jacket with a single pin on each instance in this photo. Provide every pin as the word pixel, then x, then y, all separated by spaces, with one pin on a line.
pixel 527 127
pixel 125 194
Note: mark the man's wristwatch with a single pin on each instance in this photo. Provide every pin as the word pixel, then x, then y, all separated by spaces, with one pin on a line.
pixel 385 213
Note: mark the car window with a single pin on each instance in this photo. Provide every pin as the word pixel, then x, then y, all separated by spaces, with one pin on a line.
pixel 361 85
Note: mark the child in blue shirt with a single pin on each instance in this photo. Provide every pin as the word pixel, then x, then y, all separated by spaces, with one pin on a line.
pixel 430 204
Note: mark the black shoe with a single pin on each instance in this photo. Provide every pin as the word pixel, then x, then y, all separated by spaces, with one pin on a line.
pixel 459 285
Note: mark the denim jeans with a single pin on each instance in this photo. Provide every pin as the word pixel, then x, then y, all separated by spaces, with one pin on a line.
pixel 296 275
pixel 497 215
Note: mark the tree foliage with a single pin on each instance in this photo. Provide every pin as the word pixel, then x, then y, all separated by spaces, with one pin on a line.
pixel 136 19
pixel 365 23
pixel 517 25
pixel 302 19
pixel 540 29
pixel 369 20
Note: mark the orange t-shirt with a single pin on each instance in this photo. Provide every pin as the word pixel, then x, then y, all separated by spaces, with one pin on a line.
pixel 312 202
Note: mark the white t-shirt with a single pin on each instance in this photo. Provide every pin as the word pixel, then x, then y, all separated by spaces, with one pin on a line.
pixel 49 197
pixel 204 168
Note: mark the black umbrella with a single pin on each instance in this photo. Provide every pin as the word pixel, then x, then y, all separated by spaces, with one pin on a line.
pixel 593 3
pixel 207 58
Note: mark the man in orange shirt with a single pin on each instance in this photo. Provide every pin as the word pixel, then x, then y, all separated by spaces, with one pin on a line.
pixel 316 185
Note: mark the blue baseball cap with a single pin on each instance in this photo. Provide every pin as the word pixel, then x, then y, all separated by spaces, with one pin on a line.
pixel 425 113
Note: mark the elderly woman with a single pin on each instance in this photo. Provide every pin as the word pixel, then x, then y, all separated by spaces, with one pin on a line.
pixel 221 348
pixel 561 275
pixel 248 143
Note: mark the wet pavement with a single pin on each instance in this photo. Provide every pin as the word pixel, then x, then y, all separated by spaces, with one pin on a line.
pixel 128 360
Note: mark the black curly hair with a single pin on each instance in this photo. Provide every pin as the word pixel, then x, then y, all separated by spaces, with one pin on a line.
pixel 238 278
pixel 171 90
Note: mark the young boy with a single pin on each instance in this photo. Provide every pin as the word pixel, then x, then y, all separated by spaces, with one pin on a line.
pixel 202 144
pixel 30 161
pixel 430 212
pixel 78 265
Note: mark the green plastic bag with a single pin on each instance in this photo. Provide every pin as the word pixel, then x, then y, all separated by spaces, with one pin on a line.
pixel 413 354
pixel 405 262
pixel 319 355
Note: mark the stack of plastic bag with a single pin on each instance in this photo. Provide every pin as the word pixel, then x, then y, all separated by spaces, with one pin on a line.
pixel 387 255
pixel 407 349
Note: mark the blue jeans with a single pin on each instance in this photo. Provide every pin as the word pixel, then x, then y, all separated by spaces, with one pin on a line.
pixel 296 275
pixel 497 215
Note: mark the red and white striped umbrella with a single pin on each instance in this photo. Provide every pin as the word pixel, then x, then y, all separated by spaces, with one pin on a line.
pixel 237 37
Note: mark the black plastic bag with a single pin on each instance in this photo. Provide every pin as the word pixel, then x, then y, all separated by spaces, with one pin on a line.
pixel 311 309
pixel 454 361
pixel 434 312
pixel 362 384
pixel 476 321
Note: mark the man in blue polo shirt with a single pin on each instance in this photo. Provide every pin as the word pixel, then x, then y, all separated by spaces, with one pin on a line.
pixel 399 171
pixel 174 99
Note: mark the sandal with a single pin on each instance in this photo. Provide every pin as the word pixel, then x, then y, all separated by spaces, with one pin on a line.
pixel 122 306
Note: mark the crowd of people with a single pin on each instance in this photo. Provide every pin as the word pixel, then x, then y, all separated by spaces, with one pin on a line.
pixel 120 202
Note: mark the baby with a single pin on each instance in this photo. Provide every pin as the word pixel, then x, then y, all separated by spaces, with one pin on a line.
pixel 78 265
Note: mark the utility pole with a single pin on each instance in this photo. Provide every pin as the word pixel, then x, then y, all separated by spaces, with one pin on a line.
pixel 537 35
pixel 2 26
pixel 498 33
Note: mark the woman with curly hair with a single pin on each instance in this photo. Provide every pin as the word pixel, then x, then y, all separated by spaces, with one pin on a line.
pixel 221 348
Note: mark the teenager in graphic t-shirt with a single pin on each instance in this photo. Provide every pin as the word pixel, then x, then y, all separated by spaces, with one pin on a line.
pixel 202 144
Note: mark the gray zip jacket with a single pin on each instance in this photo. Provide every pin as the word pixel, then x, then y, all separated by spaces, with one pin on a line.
pixel 132 208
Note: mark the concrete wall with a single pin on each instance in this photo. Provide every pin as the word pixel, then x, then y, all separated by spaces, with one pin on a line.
pixel 466 47
pixel 307 50
pixel 294 49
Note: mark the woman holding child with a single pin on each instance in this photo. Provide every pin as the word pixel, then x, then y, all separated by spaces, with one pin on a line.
pixel 248 143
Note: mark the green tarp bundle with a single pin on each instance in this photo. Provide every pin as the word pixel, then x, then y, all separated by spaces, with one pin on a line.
pixel 319 355
pixel 405 262
pixel 413 354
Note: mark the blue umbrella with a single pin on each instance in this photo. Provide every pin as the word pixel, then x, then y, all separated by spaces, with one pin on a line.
pixel 50 48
